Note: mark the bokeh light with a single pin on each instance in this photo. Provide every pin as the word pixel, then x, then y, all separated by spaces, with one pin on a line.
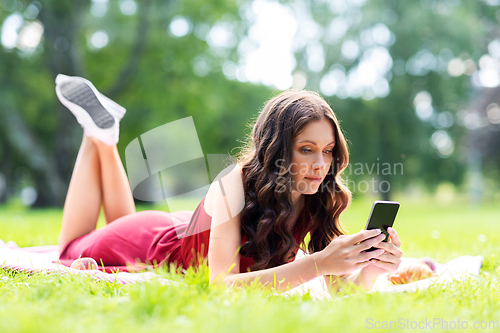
pixel 99 39
pixel 128 7
pixel 10 30
pixel 423 105
pixel 493 112
pixel 179 26
pixel 443 143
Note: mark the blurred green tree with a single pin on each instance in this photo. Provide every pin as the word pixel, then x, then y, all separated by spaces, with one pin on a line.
pixel 410 81
pixel 400 74
pixel 157 73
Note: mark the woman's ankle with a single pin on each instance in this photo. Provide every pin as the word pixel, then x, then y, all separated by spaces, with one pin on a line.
pixel 101 145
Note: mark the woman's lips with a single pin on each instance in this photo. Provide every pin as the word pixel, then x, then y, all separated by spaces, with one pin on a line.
pixel 314 179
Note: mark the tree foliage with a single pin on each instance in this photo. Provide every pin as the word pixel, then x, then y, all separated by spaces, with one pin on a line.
pixel 161 76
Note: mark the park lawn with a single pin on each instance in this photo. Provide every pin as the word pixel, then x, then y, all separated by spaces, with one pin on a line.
pixel 50 303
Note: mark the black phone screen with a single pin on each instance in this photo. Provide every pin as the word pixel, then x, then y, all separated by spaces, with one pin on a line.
pixel 382 217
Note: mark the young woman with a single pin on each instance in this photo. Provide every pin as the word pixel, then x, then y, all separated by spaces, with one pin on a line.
pixel 250 224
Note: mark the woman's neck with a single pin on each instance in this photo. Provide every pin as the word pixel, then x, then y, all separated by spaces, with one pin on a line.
pixel 297 200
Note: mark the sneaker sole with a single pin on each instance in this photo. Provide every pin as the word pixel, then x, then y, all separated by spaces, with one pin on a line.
pixel 81 94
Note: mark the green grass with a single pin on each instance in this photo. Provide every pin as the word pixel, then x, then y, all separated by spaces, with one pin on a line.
pixel 50 303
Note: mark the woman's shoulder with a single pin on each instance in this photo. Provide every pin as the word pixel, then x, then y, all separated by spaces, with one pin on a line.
pixel 227 188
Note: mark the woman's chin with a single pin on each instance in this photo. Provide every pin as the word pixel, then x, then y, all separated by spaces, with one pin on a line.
pixel 310 191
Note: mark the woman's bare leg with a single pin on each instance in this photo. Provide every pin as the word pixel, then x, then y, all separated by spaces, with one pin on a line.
pixel 83 200
pixel 117 197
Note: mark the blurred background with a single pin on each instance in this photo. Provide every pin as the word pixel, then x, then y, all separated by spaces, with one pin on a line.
pixel 415 84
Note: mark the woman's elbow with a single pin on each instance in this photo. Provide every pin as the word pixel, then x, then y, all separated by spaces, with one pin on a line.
pixel 220 279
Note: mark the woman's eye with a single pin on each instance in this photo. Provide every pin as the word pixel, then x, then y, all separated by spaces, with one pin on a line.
pixel 306 150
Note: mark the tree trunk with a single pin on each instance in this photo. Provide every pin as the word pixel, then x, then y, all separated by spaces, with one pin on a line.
pixel 4 168
pixel 22 140
pixel 52 171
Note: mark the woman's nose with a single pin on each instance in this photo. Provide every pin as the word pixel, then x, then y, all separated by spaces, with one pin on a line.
pixel 319 163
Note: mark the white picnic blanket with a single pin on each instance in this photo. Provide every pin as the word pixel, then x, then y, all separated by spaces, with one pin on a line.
pixel 456 269
pixel 40 259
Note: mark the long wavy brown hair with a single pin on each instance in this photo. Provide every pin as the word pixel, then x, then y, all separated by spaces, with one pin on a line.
pixel 266 160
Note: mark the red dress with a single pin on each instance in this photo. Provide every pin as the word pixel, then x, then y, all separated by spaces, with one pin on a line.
pixel 151 237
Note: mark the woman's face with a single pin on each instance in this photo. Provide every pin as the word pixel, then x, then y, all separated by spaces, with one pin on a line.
pixel 312 156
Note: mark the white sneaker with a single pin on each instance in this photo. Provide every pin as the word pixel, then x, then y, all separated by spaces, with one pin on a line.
pixel 97 114
pixel 114 108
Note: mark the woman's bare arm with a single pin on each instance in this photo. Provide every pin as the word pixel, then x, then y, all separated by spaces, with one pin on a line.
pixel 335 283
pixel 281 278
pixel 224 203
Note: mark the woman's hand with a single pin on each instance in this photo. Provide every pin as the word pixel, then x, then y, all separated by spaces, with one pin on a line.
pixel 391 258
pixel 346 253
pixel 386 262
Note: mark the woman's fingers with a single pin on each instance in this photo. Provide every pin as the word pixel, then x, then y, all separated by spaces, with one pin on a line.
pixel 364 235
pixel 394 237
pixel 369 243
pixel 388 258
pixel 368 255
pixel 391 248
pixel 362 264
pixel 386 265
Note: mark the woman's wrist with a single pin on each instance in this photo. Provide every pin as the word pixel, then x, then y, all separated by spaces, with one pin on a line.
pixel 317 260
pixel 368 275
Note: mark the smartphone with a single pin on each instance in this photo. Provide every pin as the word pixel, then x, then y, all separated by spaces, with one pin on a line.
pixel 381 217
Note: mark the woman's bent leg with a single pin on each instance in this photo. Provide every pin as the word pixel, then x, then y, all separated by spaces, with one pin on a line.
pixel 83 200
pixel 146 237
pixel 117 197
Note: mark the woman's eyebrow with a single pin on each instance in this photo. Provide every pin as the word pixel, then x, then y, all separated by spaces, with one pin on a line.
pixel 314 143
